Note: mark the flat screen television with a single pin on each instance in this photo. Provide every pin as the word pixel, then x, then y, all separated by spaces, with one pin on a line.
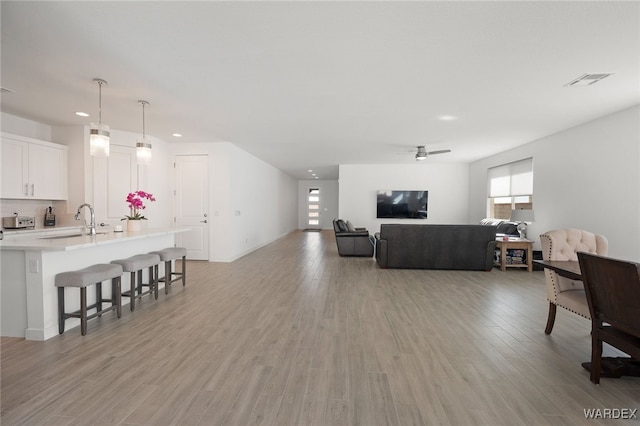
pixel 402 204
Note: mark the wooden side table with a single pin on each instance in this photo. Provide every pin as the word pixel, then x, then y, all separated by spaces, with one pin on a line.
pixel 515 244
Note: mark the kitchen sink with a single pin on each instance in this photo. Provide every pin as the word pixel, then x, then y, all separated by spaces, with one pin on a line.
pixel 59 237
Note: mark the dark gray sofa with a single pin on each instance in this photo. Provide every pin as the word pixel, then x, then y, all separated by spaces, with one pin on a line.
pixel 466 247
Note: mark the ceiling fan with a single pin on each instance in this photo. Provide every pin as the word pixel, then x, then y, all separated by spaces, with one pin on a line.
pixel 422 153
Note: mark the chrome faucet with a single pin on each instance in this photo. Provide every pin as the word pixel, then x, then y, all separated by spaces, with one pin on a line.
pixel 92 225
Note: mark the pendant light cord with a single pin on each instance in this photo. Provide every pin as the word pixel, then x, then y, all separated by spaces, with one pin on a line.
pixel 143 134
pixel 100 103
pixel 144 104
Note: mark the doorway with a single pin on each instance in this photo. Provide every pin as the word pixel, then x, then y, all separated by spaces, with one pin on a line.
pixel 312 217
pixel 191 204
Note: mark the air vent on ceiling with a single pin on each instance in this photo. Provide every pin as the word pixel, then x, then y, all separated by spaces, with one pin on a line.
pixel 587 80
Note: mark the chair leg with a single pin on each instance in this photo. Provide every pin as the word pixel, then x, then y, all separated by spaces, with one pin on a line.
pixel 83 310
pixel 596 357
pixel 551 319
pixel 61 312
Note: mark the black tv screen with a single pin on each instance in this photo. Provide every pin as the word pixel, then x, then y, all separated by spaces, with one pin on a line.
pixel 402 204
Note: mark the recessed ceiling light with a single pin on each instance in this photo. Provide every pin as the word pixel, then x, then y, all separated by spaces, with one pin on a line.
pixel 310 170
pixel 316 177
pixel 177 135
pixel 82 114
pixel 447 118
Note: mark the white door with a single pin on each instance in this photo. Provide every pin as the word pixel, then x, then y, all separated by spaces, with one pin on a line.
pixel 313 209
pixel 191 204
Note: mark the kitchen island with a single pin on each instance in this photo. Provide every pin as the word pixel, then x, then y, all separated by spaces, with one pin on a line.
pixel 30 263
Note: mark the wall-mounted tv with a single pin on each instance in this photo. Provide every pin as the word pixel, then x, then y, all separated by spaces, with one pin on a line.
pixel 402 204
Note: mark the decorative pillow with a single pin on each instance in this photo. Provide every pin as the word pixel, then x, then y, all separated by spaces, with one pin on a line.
pixel 508 228
pixel 350 226
pixel 342 225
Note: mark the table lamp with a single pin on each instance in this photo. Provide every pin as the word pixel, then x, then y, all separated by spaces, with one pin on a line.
pixel 522 216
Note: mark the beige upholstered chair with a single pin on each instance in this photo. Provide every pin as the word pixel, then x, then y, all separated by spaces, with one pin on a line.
pixel 564 244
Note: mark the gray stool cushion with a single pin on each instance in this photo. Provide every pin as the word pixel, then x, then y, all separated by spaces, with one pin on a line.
pixel 88 276
pixel 138 262
pixel 171 253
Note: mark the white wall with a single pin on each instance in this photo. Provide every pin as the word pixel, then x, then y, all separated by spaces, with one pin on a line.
pixel 29 128
pixel 586 177
pixel 252 202
pixel 328 202
pixel 447 184
pixel 266 200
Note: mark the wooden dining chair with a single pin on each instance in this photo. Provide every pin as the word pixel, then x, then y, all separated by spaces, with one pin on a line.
pixel 612 287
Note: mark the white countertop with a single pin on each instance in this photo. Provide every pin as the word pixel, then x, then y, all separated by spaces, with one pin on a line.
pixel 41 239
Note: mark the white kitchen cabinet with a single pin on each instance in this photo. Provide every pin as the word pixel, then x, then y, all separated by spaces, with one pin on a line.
pixel 33 169
pixel 113 178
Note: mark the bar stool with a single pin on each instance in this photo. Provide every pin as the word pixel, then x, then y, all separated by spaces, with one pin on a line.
pixel 82 278
pixel 135 265
pixel 166 256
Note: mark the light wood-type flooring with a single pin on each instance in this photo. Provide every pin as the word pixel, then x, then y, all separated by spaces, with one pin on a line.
pixel 293 334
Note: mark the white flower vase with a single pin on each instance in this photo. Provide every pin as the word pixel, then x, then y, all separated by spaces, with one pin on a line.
pixel 134 225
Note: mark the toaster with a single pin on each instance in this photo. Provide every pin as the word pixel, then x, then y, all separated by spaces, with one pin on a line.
pixel 18 222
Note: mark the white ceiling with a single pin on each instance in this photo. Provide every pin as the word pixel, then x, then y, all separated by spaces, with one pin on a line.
pixel 310 85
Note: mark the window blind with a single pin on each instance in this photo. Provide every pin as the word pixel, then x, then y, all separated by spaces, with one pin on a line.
pixel 512 179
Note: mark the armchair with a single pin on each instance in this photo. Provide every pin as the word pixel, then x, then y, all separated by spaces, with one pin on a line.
pixel 352 241
pixel 613 292
pixel 564 244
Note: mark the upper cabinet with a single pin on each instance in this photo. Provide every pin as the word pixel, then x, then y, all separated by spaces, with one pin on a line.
pixel 32 169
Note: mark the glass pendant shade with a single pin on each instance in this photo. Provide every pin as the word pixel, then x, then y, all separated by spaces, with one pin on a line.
pixel 99 140
pixel 143 151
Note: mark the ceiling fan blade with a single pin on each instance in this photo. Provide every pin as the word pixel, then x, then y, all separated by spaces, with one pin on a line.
pixel 442 151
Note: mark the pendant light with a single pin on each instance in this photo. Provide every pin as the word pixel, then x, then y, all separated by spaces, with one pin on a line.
pixel 143 146
pixel 99 133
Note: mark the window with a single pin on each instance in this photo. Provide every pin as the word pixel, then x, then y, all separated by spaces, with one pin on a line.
pixel 510 187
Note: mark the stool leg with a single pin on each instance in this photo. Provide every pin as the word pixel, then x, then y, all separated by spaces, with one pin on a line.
pixel 61 310
pixel 184 271
pixel 156 284
pixel 83 310
pixel 140 281
pixel 167 276
pixel 116 293
pixel 132 292
pixel 99 298
pixel 151 283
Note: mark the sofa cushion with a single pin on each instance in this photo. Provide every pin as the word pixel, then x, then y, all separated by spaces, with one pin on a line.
pixel 350 226
pixel 342 225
